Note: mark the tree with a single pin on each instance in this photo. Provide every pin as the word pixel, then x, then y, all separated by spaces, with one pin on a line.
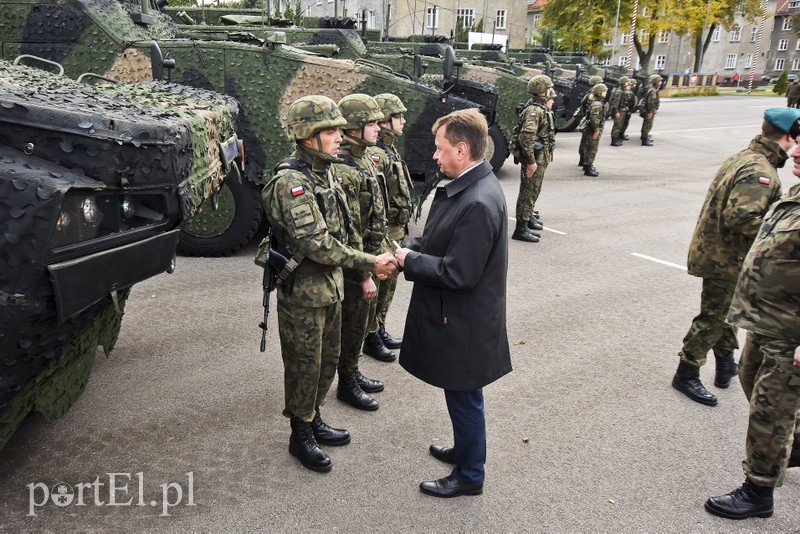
pixel 782 83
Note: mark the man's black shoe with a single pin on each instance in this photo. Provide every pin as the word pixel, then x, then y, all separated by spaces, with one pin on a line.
pixel 589 170
pixel 350 392
pixel 534 224
pixel 450 487
pixel 327 435
pixel 726 369
pixel 368 385
pixel 687 381
pixel 388 341
pixel 303 446
pixel 373 346
pixel 443 454
pixel 748 501
pixel 523 234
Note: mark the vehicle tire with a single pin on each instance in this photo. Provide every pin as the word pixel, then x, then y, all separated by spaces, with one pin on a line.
pixel 227 229
pixel 497 152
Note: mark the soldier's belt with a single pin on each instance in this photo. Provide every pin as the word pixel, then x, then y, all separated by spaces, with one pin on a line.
pixel 308 266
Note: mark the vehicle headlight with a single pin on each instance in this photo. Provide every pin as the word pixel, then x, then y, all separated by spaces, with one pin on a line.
pixel 90 212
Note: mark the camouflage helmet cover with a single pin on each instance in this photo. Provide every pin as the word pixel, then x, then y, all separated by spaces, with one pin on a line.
pixel 623 80
pixel 654 78
pixel 390 105
pixel 594 80
pixel 312 114
pixel 359 109
pixel 599 88
pixel 539 84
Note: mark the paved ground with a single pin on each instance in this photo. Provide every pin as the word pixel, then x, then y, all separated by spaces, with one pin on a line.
pixel 585 435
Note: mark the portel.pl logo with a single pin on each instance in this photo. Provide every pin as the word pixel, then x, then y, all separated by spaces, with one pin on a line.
pixel 113 489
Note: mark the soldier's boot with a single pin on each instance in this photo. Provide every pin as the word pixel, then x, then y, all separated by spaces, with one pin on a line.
pixel 350 392
pixel 794 458
pixel 535 215
pixel 580 163
pixel 589 170
pixel 751 500
pixel 534 225
pixel 368 385
pixel 648 141
pixel 687 381
pixel 373 346
pixel 388 341
pixel 625 137
pixel 726 369
pixel 326 434
pixel 616 141
pixel 521 233
pixel 303 446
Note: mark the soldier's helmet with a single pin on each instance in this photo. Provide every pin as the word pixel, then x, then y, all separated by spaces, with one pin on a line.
pixel 654 78
pixel 311 114
pixel 623 80
pixel 359 109
pixel 594 80
pixel 390 105
pixel 539 84
pixel 599 88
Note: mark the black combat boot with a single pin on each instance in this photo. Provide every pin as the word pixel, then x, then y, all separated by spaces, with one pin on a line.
pixel 687 381
pixel 726 369
pixel 350 392
pixel 327 435
pixel 303 446
pixel 648 141
pixel 535 215
pixel 751 500
pixel 373 346
pixel 794 458
pixel 369 386
pixel 388 341
pixel 616 141
pixel 589 170
pixel 522 233
pixel 534 225
pixel 624 137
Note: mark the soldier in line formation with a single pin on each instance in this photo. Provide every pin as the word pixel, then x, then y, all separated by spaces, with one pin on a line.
pixel 623 100
pixel 793 94
pixel 592 128
pixel 649 107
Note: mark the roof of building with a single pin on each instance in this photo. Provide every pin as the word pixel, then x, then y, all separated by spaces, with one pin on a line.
pixel 538 5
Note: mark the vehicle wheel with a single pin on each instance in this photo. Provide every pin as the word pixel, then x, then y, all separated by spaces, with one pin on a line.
pixel 567 124
pixel 225 230
pixel 497 149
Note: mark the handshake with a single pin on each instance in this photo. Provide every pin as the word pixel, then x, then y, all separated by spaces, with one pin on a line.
pixel 386 266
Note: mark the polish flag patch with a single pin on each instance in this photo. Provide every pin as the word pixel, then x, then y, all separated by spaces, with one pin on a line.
pixel 298 190
pixel 764 180
pixel 375 158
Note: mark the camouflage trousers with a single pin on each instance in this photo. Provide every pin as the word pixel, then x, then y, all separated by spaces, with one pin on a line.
pixel 355 313
pixel 588 147
pixel 772 384
pixel 620 125
pixel 529 189
pixel 386 290
pixel 709 329
pixel 310 342
pixel 647 125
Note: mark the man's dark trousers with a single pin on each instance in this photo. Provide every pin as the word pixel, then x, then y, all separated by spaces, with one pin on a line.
pixel 469 433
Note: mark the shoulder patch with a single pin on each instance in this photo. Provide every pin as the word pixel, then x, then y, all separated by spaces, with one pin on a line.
pixel 764 180
pixel 302 215
pixel 298 190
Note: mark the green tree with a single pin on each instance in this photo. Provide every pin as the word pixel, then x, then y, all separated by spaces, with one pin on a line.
pixel 781 84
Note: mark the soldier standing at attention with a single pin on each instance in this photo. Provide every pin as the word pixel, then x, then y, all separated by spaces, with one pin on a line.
pixel 793 94
pixel 767 305
pixel 592 128
pixel 586 103
pixel 737 199
pixel 650 107
pixel 536 140
pixel 308 214
pixel 358 175
pixel 398 213
pixel 622 101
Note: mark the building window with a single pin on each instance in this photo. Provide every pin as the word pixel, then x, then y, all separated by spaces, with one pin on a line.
pixel 730 61
pixel 787 24
pixel 624 38
pixel 748 61
pixel 466 16
pixel 794 3
pixel 796 64
pixel 644 35
pixel 608 42
pixel 783 44
pixel 644 12
pixel 736 34
pixel 661 62
pixel 537 18
pixel 432 18
pixel 500 21
pixel 754 34
pixel 623 61
pixel 372 20
pixel 663 37
pixel 779 64
pixel 606 62
pixel 717 33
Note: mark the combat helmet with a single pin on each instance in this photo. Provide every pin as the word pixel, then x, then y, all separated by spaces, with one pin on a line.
pixel 390 105
pixel 599 88
pixel 623 80
pixel 358 110
pixel 654 78
pixel 539 84
pixel 310 115
pixel 594 80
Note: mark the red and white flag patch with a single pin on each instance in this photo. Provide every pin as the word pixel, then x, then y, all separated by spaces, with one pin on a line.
pixel 375 158
pixel 764 180
pixel 298 190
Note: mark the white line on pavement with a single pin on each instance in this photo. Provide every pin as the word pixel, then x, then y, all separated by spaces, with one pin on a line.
pixel 656 260
pixel 544 227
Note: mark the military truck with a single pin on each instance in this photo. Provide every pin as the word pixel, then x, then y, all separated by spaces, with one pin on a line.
pixel 95 183
pixel 112 37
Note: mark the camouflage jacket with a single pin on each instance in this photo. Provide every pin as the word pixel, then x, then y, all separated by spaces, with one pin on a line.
pixel 398 180
pixel 793 91
pixel 651 101
pixel 538 125
pixel 308 213
pixel 737 199
pixel 767 297
pixel 595 118
pixel 359 178
pixel 622 100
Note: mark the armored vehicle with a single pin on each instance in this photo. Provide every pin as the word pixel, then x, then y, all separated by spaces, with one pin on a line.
pixel 95 182
pixel 112 37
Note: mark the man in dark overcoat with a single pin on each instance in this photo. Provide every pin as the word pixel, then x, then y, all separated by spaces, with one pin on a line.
pixel 455 336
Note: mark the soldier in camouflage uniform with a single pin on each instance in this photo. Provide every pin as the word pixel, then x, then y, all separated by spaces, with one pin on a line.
pixel 767 305
pixel 309 218
pixel 359 177
pixel 586 103
pixel 622 102
pixel 592 128
pixel 650 107
pixel 737 199
pixel 537 140
pixel 793 94
pixel 399 208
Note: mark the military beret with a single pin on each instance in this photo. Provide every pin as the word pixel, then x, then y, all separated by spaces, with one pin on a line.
pixel 786 120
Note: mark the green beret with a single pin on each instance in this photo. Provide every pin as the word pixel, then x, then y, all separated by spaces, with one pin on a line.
pixel 786 120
